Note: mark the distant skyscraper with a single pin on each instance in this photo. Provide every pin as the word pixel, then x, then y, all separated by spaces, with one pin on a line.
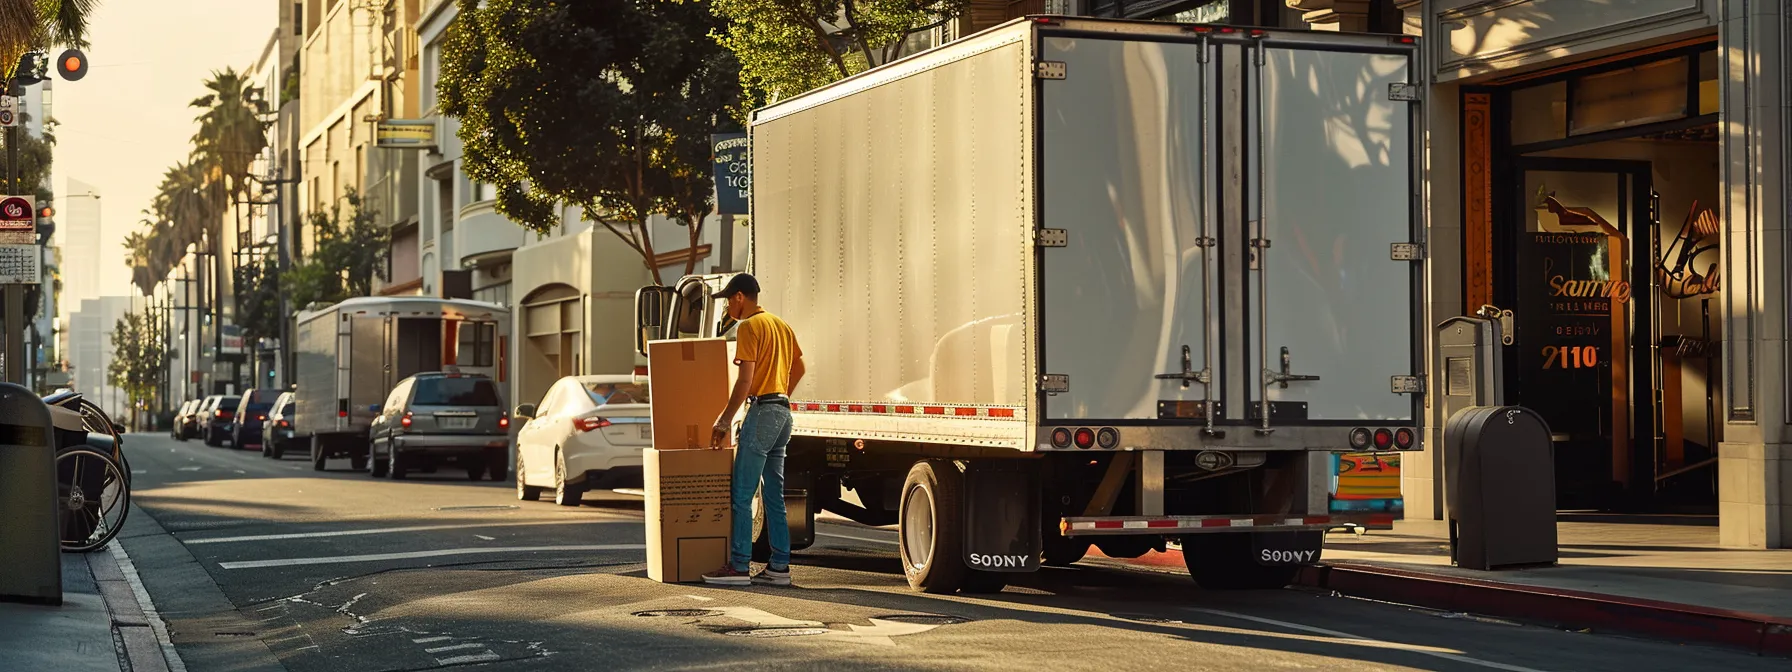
pixel 90 349
pixel 79 235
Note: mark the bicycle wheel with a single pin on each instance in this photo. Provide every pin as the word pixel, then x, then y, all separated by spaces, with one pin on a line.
pixel 93 497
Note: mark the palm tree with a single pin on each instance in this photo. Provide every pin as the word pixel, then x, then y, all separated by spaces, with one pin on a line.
pixel 231 136
pixel 39 24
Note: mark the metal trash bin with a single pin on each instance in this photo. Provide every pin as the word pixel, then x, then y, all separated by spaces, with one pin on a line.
pixel 1503 499
pixel 30 548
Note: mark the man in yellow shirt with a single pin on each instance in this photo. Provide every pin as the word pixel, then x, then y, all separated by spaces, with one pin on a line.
pixel 771 365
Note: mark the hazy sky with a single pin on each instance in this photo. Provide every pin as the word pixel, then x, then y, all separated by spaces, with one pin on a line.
pixel 128 120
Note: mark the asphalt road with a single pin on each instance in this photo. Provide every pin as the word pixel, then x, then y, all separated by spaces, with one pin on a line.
pixel 259 564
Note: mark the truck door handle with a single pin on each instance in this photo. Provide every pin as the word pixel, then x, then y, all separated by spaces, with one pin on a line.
pixel 1187 375
pixel 1283 377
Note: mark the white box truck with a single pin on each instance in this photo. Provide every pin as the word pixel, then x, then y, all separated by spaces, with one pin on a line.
pixel 1073 281
pixel 351 354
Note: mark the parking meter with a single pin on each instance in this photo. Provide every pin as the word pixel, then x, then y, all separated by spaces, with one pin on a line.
pixel 30 547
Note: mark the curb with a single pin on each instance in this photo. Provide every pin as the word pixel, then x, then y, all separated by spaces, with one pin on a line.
pixel 1566 609
pixel 131 621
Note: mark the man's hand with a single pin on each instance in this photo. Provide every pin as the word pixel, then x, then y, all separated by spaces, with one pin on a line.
pixel 718 436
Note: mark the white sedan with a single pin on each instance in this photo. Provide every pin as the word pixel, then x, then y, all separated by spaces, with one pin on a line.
pixel 588 433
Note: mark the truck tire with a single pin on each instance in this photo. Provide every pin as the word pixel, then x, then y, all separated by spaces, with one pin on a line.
pixel 524 491
pixel 1223 562
pixel 1057 550
pixel 932 527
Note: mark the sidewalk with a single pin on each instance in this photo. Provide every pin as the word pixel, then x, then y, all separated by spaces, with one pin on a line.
pixel 1657 580
pixel 100 626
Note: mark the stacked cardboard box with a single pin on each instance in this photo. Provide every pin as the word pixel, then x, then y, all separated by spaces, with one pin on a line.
pixel 687 483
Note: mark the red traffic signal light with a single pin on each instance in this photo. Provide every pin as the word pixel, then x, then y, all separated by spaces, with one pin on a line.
pixel 46 211
pixel 72 64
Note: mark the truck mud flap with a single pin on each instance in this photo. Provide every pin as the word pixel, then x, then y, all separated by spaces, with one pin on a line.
pixel 1001 516
pixel 1280 549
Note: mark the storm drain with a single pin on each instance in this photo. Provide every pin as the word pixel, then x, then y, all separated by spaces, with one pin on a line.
pixel 923 619
pixel 679 613
pixel 777 632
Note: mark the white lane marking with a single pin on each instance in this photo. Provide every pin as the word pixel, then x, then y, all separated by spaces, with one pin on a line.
pixel 630 491
pixel 240 471
pixel 455 647
pixel 426 640
pixel 762 618
pixel 879 632
pixel 191 468
pixel 481 536
pixel 390 530
pixel 701 598
pixel 289 562
pixel 484 657
pixel 139 471
pixel 1423 650
pixel 891 542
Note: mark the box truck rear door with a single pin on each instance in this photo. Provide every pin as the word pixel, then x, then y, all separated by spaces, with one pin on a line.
pixel 1335 315
pixel 1126 296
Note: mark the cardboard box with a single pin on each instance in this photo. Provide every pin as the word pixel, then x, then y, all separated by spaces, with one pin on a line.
pixel 689 379
pixel 688 514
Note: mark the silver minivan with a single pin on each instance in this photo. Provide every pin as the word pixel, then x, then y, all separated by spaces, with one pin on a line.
pixel 434 420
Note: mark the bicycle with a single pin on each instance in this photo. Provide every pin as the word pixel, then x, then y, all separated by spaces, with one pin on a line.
pixel 92 475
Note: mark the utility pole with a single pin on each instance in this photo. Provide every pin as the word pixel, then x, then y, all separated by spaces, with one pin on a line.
pixel 14 293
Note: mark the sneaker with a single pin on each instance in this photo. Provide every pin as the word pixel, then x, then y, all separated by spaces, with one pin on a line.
pixel 772 577
pixel 727 576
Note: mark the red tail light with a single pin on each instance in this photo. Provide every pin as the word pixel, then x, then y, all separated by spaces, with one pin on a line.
pixel 342 414
pixel 1085 437
pixel 503 422
pixel 589 424
pixel 1383 439
pixel 261 417
pixel 282 423
pixel 1403 438
pixel 222 413
pixel 406 421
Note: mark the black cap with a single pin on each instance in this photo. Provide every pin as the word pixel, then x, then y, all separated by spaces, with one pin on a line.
pixel 741 282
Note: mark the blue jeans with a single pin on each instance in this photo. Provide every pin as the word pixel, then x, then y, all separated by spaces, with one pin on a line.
pixel 760 457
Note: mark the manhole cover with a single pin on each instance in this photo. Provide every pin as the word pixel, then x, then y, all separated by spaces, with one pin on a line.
pixel 679 613
pixel 923 619
pixel 777 632
pixel 499 507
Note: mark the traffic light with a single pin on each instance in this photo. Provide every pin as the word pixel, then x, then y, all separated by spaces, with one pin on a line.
pixel 72 64
pixel 46 226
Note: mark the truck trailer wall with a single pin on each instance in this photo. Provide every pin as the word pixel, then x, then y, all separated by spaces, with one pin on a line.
pixel 315 361
pixel 893 230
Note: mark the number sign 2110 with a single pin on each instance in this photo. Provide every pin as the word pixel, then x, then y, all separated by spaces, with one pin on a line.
pixel 1565 357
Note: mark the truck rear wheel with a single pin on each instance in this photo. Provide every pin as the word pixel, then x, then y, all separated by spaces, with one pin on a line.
pixel 1224 562
pixel 1057 550
pixel 932 527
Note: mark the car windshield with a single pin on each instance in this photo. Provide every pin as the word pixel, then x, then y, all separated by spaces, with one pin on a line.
pixel 259 408
pixel 455 392
pixel 230 403
pixel 617 393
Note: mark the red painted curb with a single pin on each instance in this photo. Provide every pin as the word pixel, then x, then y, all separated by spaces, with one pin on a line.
pixel 1567 609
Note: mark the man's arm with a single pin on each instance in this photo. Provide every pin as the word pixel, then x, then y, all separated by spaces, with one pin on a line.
pixel 796 374
pixel 719 436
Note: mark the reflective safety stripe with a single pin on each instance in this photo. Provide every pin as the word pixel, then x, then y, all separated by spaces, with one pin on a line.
pixel 996 412
pixel 1207 522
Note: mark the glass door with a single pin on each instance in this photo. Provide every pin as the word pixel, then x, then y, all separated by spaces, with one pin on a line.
pixel 1583 255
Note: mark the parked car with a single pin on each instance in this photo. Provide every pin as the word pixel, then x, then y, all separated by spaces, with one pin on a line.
pixel 588 433
pixel 217 417
pixel 251 415
pixel 279 428
pixel 443 418
pixel 185 420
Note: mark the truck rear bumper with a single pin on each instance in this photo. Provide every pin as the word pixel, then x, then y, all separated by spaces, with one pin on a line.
pixel 1172 525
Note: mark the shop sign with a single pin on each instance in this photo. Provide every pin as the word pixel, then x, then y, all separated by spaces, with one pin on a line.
pixel 406 134
pixel 733 173
pixel 1695 247
pixel 233 340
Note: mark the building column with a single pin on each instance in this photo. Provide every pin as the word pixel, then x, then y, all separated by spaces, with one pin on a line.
pixel 1754 460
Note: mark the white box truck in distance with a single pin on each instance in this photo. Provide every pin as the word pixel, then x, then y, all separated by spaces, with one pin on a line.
pixel 1073 281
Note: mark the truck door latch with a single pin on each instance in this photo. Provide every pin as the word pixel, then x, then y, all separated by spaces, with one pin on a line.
pixel 1284 377
pixel 1188 375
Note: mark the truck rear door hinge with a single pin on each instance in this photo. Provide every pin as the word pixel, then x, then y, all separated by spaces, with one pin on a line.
pixel 1054 383
pixel 1051 70
pixel 1406 252
pixel 1054 238
pixel 1407 384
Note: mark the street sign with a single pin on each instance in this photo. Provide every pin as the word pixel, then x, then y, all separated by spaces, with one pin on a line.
pixel 406 134
pixel 21 265
pixel 733 172
pixel 9 111
pixel 18 219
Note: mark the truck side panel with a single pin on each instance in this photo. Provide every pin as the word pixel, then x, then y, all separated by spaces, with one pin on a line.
pixel 315 361
pixel 894 227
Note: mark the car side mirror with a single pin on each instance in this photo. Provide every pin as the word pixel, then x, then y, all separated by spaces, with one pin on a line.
pixel 525 411
pixel 650 315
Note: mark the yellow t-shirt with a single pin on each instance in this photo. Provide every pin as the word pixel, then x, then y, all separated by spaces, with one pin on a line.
pixel 769 343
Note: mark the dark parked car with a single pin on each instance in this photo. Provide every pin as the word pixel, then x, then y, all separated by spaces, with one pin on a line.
pixel 434 419
pixel 279 428
pixel 251 415
pixel 216 417
pixel 186 421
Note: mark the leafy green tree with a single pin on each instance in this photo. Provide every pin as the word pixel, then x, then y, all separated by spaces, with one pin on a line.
pixel 139 359
pixel 786 47
pixel 349 255
pixel 258 298
pixel 40 24
pixel 602 105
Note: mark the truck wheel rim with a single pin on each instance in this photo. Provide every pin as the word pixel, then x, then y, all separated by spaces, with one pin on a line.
pixel 917 526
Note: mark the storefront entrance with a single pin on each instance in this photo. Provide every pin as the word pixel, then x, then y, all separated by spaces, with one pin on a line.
pixel 1600 240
